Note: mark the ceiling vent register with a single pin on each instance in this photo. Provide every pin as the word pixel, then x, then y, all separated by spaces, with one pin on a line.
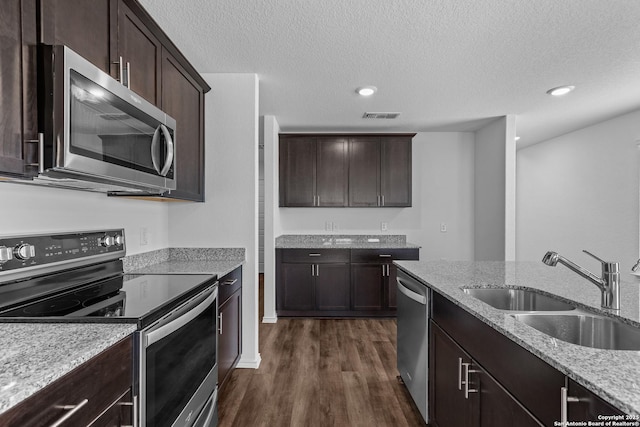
pixel 369 115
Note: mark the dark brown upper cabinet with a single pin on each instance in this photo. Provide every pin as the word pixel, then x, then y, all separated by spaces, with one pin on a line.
pixel 141 53
pixel 380 171
pixel 18 112
pixel 322 170
pixel 313 171
pixel 183 99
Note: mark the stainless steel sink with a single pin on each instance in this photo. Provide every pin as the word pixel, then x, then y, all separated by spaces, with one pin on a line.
pixel 518 299
pixel 585 330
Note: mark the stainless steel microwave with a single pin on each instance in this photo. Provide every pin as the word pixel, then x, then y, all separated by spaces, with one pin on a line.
pixel 98 134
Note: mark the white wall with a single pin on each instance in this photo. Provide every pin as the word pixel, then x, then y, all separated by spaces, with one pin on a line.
pixel 26 209
pixel 580 191
pixel 229 217
pixel 272 227
pixel 443 165
pixel 495 191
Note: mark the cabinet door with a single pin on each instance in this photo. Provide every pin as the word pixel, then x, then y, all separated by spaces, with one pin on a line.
pixel 497 407
pixel 364 171
pixel 331 172
pixel 17 86
pixel 395 172
pixel 141 52
pixel 449 407
pixel 297 171
pixel 183 100
pixel 367 282
pixel 588 406
pixel 296 286
pixel 229 336
pixel 88 28
pixel 332 287
pixel 118 414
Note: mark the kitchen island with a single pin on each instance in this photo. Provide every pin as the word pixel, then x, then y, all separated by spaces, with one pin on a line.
pixel 613 375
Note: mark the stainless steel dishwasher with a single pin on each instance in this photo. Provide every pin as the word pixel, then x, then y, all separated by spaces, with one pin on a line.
pixel 413 338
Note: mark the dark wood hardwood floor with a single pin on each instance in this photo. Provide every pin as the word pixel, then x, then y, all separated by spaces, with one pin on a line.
pixel 321 372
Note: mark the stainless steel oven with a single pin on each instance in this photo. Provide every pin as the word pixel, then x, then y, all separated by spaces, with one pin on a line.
pixel 178 369
pixel 78 277
pixel 96 130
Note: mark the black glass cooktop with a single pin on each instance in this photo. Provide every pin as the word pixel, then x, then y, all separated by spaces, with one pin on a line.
pixel 124 298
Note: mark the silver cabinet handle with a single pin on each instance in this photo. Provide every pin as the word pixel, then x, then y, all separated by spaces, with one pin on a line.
pixel 229 282
pixel 382 199
pixel 388 270
pixel 318 200
pixel 120 70
pixel 72 410
pixel 314 254
pixel 459 373
pixel 128 75
pixel 40 141
pixel 385 255
pixel 564 400
pixel 317 270
pixel 220 326
pixel 384 271
pixel 467 380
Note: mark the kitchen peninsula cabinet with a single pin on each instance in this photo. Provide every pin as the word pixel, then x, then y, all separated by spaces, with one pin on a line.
pixel 313 171
pixel 351 170
pixel 96 393
pixel 18 112
pixel 229 324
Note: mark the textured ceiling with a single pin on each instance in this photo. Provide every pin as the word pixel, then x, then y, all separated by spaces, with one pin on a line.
pixel 444 64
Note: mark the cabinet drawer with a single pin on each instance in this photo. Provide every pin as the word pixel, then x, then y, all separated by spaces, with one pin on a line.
pixel 229 284
pixel 532 381
pixel 383 255
pixel 315 256
pixel 100 381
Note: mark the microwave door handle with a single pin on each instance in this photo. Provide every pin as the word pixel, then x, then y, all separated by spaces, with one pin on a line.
pixel 169 147
pixel 154 145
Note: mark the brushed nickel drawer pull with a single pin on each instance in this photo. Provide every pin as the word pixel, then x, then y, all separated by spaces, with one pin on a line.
pixel 385 256
pixel 314 254
pixel 220 327
pixel 229 282
pixel 72 410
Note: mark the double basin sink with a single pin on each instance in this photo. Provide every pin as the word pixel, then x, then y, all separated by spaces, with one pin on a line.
pixel 560 319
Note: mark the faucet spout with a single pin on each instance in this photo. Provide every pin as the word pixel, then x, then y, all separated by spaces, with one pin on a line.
pixel 608 282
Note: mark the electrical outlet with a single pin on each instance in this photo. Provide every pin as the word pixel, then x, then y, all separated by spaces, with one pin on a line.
pixel 384 226
pixel 144 236
pixel 443 227
pixel 328 226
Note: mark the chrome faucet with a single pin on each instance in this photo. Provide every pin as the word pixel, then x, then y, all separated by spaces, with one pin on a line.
pixel 609 283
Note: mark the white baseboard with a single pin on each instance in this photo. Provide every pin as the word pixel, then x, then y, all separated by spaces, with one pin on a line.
pixel 270 319
pixel 249 363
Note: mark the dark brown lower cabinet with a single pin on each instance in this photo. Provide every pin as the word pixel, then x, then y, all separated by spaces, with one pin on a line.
pixel 332 287
pixel 229 324
pixel 506 384
pixel 583 405
pixel 101 385
pixel 466 395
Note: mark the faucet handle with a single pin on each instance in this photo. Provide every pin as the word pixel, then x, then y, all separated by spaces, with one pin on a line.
pixel 608 267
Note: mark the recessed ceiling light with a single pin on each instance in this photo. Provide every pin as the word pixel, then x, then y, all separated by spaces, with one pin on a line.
pixel 366 90
pixel 560 90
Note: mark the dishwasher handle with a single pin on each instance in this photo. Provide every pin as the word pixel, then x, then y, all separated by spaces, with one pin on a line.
pixel 411 294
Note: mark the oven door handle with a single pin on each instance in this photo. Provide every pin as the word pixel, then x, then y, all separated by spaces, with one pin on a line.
pixel 178 322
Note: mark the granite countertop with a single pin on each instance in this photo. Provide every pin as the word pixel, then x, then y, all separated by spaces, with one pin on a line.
pixel 36 354
pixel 214 261
pixel 612 374
pixel 343 241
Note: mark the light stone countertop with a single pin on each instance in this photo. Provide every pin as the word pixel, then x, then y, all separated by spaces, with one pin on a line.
pixel 214 267
pixel 612 374
pixel 215 261
pixel 36 354
pixel 343 241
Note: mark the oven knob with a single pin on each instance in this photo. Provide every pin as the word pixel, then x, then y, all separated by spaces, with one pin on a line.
pixel 107 241
pixel 6 254
pixel 24 251
pixel 119 239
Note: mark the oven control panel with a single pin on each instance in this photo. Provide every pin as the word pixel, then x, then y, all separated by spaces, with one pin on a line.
pixel 21 252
